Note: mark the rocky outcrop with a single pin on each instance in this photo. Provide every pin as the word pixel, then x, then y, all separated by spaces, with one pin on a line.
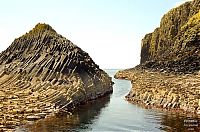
pixel 177 38
pixel 161 90
pixel 168 76
pixel 41 73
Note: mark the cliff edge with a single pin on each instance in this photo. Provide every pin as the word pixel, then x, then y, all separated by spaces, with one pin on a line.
pixel 168 75
pixel 42 73
pixel 174 46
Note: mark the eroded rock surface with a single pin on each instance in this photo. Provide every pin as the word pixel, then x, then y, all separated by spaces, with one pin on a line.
pixel 168 75
pixel 161 90
pixel 42 73
pixel 174 46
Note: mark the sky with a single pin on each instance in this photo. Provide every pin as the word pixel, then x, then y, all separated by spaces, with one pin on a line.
pixel 109 30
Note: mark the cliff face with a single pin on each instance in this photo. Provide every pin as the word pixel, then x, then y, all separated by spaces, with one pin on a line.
pixel 177 37
pixel 174 47
pixel 41 72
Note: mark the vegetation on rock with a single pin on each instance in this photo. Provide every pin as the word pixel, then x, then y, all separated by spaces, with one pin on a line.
pixel 168 75
pixel 176 39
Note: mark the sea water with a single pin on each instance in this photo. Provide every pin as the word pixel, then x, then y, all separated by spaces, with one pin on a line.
pixel 114 113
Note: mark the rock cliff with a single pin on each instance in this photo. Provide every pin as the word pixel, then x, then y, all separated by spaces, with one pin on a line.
pixel 168 76
pixel 176 41
pixel 42 72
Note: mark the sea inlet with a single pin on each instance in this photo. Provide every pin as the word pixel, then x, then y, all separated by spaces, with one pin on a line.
pixel 114 113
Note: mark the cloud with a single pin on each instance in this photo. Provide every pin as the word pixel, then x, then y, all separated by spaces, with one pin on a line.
pixel 181 2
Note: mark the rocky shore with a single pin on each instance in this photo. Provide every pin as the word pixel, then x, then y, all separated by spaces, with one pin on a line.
pixel 43 74
pixel 168 75
pixel 163 90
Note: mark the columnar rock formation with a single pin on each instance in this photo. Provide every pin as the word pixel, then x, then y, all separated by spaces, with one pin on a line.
pixel 161 90
pixel 168 76
pixel 176 41
pixel 41 72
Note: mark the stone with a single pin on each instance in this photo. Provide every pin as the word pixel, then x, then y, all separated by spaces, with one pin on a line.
pixel 165 105
pixel 168 73
pixel 33 118
pixel 176 92
pixel 174 46
pixel 174 105
pixel 41 72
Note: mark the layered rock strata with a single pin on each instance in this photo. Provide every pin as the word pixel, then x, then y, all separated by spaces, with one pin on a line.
pixel 42 73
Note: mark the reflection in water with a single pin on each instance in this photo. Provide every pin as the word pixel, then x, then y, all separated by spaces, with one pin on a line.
pixel 81 119
pixel 113 113
pixel 181 123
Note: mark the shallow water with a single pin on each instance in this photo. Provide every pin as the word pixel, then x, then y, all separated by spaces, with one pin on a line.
pixel 113 113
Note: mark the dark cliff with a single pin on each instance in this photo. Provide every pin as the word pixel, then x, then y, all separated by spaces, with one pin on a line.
pixel 41 72
pixel 176 41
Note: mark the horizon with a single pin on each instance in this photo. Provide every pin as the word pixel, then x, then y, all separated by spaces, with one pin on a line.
pixel 109 31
